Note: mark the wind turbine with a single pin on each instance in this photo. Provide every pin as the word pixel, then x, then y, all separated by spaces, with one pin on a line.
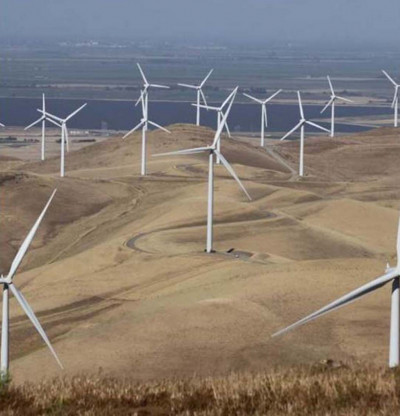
pixel 42 119
pixel 395 103
pixel 301 125
pixel 220 116
pixel 200 95
pixel 62 123
pixel 8 285
pixel 147 85
pixel 331 103
pixel 264 116
pixel 212 150
pixel 144 122
pixel 391 275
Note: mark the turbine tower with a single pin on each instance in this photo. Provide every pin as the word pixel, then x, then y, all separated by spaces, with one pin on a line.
pixel 62 123
pixel 301 125
pixel 200 95
pixel 391 275
pixel 144 122
pixel 42 119
pixel 395 102
pixel 264 116
pixel 8 285
pixel 331 103
pixel 212 150
pixel 220 116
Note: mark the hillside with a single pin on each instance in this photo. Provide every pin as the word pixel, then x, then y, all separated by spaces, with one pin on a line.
pixel 120 280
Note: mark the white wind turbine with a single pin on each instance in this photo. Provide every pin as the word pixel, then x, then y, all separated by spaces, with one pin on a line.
pixel 8 285
pixel 212 150
pixel 42 119
pixel 395 103
pixel 62 123
pixel 331 103
pixel 264 116
pixel 144 122
pixel 220 116
pixel 146 86
pixel 301 125
pixel 391 275
pixel 200 95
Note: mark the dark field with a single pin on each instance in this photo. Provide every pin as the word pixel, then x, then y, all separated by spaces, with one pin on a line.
pixel 319 390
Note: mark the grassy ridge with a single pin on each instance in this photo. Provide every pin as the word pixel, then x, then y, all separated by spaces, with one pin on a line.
pixel 302 391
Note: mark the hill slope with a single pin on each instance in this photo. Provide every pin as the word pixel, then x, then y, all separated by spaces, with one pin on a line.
pixel 120 281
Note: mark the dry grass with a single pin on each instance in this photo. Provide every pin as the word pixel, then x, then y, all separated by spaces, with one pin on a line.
pixel 303 391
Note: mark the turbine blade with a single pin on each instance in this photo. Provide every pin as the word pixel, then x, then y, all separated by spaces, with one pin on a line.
pixel 224 118
pixel 29 312
pixel 34 123
pixel 207 107
pixel 25 245
pixel 344 99
pixel 76 111
pixel 317 126
pixel 2 125
pixel 253 98
pixel 330 85
pixel 227 129
pixel 300 105
pixel 142 74
pixel 203 97
pixel 158 126
pixel 194 87
pixel 396 94
pixel 344 300
pixel 140 98
pixel 184 152
pixel 133 130
pixel 389 78
pixel 232 172
pixel 159 86
pixel 272 96
pixel 329 103
pixel 232 94
pixel 53 122
pixel 292 131
pixel 49 115
pixel 206 78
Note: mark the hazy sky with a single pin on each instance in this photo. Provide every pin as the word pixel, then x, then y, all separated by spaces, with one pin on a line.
pixel 356 21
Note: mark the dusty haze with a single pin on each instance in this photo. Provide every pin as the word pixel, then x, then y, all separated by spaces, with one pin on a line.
pixel 363 22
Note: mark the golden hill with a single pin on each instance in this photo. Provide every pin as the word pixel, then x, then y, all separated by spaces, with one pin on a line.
pixel 120 281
